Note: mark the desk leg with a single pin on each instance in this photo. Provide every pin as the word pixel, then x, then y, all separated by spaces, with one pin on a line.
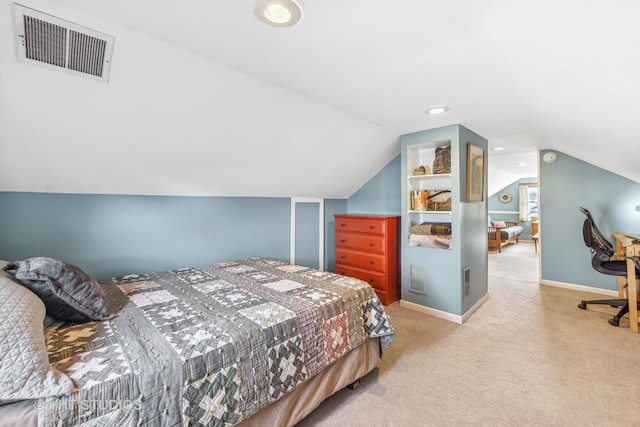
pixel 632 292
pixel 621 284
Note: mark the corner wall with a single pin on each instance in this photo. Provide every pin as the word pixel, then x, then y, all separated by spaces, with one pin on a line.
pixel 565 186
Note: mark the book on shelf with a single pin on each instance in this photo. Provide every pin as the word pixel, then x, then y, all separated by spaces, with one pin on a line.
pixel 434 200
pixel 419 200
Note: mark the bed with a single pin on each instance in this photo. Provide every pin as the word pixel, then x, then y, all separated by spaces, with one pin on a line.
pixel 254 342
pixel 501 233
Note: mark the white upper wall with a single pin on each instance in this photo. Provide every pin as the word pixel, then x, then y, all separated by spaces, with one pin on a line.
pixel 204 99
pixel 176 123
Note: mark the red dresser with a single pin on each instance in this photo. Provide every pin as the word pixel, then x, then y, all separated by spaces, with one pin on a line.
pixel 367 249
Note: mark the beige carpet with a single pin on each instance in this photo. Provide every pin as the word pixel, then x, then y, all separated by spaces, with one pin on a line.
pixel 528 357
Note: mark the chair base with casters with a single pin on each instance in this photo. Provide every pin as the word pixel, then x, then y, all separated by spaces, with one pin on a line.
pixel 615 321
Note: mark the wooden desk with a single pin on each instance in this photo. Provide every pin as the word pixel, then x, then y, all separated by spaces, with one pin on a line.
pixel 625 246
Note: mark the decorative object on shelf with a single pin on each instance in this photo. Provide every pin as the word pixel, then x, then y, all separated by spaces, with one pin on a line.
pixel 422 170
pixel 434 200
pixel 475 173
pixel 439 200
pixel 442 161
pixel 418 200
pixel 504 197
pixel 550 157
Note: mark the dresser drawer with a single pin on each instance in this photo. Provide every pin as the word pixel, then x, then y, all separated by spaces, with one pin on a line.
pixel 369 243
pixel 362 260
pixel 367 225
pixel 376 280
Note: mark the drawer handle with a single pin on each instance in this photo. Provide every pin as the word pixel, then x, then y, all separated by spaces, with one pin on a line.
pixel 372 280
pixel 372 244
pixel 342 240
pixel 372 227
pixel 343 256
pixel 343 225
pixel 372 262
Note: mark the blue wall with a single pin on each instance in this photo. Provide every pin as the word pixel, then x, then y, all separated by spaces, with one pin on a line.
pixel 565 186
pixel 381 195
pixel 499 211
pixel 110 235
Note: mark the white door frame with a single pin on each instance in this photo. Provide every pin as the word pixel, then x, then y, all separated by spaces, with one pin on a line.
pixel 292 242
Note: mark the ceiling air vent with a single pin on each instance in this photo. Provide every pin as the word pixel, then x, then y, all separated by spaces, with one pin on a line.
pixel 55 43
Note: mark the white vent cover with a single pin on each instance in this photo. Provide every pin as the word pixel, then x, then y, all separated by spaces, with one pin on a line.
pixel 55 43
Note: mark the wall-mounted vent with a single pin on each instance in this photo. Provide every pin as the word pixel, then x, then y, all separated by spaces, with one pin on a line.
pixel 417 282
pixel 55 43
pixel 466 282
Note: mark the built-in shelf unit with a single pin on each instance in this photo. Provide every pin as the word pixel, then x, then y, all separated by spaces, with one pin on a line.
pixel 443 237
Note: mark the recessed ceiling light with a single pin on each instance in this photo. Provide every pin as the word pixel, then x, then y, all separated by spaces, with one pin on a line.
pixel 499 148
pixel 521 164
pixel 278 13
pixel 439 109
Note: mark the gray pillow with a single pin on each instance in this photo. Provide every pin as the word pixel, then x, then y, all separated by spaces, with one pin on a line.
pixel 25 372
pixel 68 292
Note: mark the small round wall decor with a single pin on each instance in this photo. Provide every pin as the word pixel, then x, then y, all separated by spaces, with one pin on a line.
pixel 504 197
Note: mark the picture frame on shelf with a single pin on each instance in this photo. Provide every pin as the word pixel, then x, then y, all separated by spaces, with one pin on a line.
pixel 475 173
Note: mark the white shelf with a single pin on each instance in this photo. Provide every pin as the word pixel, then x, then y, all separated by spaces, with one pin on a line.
pixel 429 177
pixel 431 212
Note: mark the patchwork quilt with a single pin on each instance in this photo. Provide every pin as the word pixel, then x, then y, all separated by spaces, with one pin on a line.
pixel 208 346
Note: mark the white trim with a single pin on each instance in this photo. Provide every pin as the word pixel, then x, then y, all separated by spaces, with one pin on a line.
pixel 443 314
pixel 505 212
pixel 321 237
pixel 580 288
pixel 292 233
pixel 474 307
pixel 431 311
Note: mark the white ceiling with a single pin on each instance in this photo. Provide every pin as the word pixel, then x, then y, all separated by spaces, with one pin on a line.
pixel 205 99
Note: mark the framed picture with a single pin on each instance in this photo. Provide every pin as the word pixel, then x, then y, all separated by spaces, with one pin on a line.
pixel 475 173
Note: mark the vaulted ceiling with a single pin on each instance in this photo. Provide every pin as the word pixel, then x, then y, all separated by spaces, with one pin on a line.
pixel 204 99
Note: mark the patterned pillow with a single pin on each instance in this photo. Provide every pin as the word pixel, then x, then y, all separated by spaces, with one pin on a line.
pixel 25 372
pixel 500 224
pixel 68 292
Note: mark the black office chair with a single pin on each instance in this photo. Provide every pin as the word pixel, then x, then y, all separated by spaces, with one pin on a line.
pixel 602 251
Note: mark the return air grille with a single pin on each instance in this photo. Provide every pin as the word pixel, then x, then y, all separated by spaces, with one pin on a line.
pixel 417 282
pixel 46 40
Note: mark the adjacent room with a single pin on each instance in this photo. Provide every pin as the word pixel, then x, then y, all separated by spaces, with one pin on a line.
pixel 294 212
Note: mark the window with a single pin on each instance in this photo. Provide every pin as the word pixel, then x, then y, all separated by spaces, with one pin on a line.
pixel 528 201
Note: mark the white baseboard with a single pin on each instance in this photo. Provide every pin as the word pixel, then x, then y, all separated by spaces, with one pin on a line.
pixel 455 318
pixel 474 307
pixel 461 319
pixel 580 288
